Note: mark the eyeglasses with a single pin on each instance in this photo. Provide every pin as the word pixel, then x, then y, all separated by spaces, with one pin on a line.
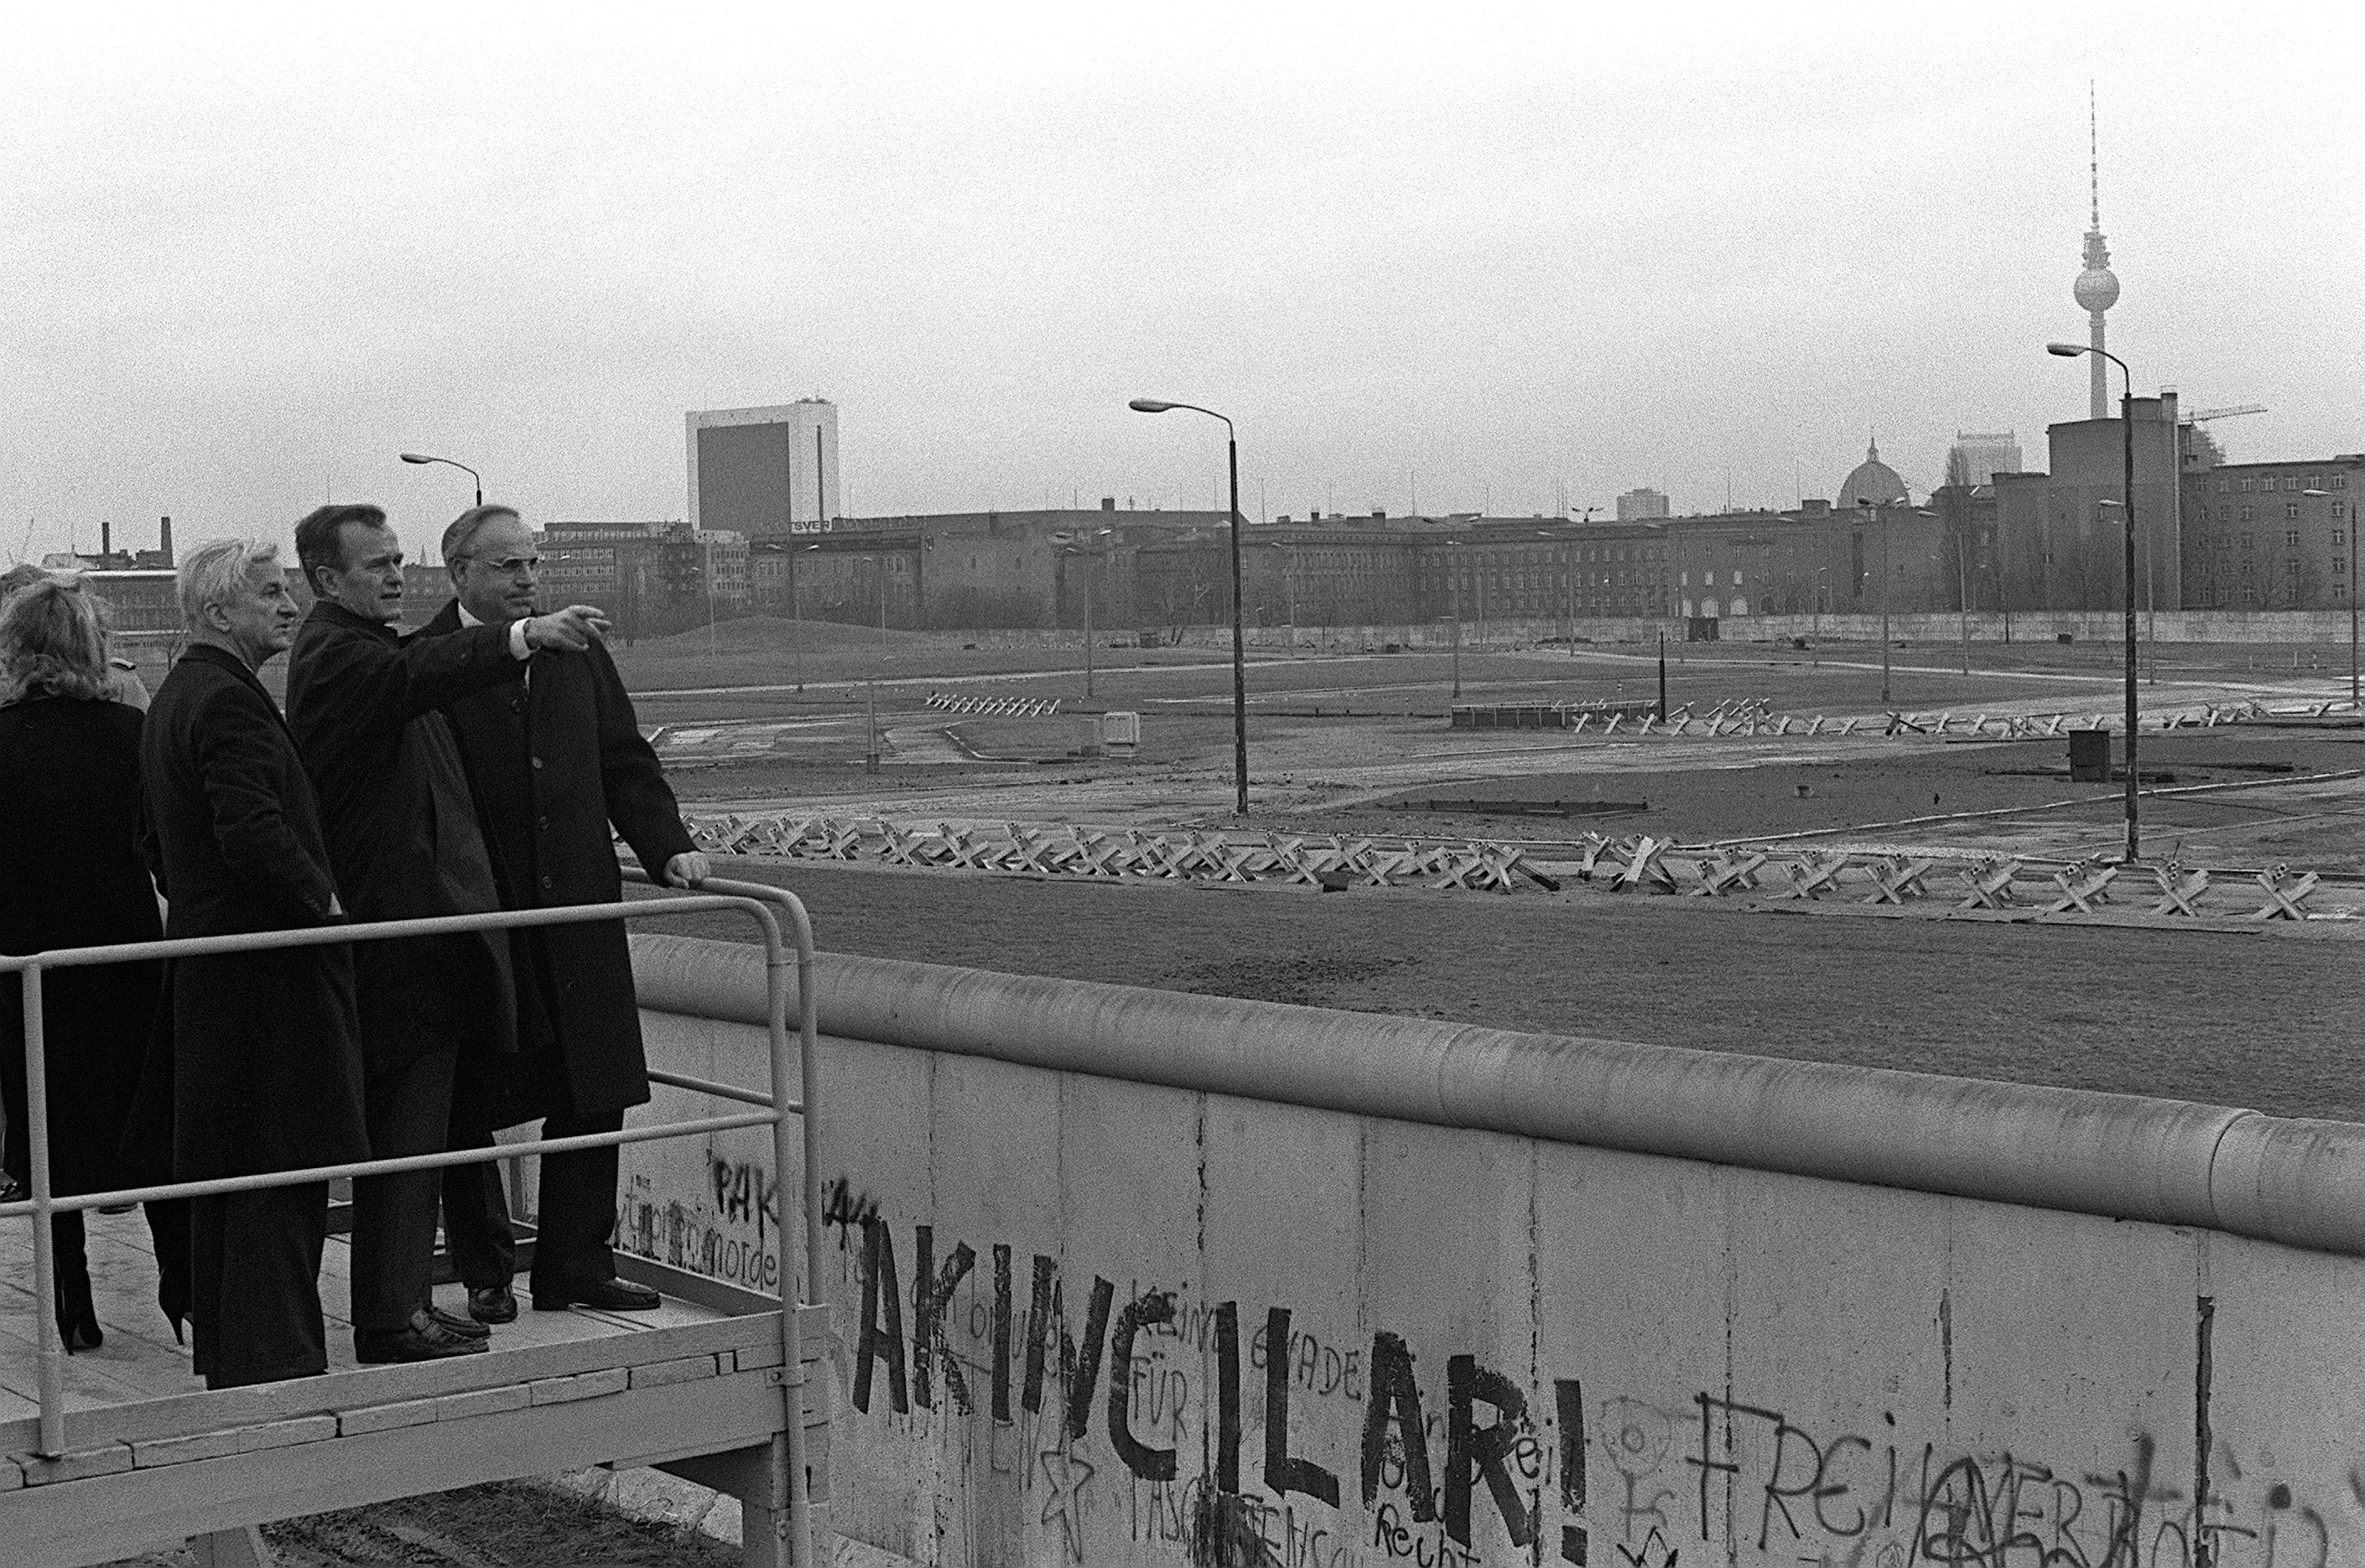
pixel 511 565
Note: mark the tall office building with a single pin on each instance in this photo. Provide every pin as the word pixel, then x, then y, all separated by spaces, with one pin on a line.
pixel 1637 506
pixel 1978 456
pixel 764 471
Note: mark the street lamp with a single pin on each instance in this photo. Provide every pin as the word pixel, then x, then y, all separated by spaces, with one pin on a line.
pixel 1239 637
pixel 788 550
pixel 2348 538
pixel 1880 511
pixel 1088 558
pixel 1584 521
pixel 471 473
pixel 2127 504
pixel 708 538
pixel 1963 591
pixel 1453 596
pixel 2151 601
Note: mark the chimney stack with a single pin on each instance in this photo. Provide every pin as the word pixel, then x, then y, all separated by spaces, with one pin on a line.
pixel 105 538
pixel 165 542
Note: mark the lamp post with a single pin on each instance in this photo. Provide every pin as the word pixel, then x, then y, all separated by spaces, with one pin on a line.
pixel 471 473
pixel 2348 544
pixel 1240 638
pixel 796 614
pixel 1088 559
pixel 2151 601
pixel 1583 521
pixel 1882 513
pixel 1453 596
pixel 708 539
pixel 2127 505
pixel 1962 592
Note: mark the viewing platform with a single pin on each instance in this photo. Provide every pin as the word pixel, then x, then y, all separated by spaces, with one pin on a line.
pixel 116 1450
pixel 152 1458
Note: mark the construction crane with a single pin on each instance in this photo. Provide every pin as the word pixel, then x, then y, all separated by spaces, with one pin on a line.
pixel 2212 454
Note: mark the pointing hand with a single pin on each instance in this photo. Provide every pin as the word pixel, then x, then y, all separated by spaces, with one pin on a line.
pixel 568 630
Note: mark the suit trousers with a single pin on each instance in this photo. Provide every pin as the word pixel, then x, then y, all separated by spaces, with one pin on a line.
pixel 576 1219
pixel 409 1111
pixel 254 1268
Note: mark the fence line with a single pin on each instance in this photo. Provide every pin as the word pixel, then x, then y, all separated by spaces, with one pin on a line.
pixel 1755 716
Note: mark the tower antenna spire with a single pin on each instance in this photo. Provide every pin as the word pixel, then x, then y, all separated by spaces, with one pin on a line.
pixel 2094 154
pixel 2097 288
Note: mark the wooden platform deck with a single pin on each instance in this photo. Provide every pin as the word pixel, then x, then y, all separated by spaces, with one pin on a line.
pixel 153 1458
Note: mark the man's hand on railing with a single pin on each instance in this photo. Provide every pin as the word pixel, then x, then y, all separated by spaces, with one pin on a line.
pixel 688 869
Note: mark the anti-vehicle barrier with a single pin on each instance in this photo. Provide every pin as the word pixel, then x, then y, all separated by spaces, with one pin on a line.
pixel 990 707
pixel 1965 881
pixel 1064 849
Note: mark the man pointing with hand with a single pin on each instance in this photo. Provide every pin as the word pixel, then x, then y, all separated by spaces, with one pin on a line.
pixel 557 763
pixel 404 843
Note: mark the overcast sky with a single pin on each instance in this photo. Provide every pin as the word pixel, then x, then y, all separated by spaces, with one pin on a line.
pixel 1461 256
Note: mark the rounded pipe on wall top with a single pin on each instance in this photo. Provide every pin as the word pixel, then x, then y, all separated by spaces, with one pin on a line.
pixel 2122 1156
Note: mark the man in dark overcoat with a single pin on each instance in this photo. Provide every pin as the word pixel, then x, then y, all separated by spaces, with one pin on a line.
pixel 265 1065
pixel 560 769
pixel 404 842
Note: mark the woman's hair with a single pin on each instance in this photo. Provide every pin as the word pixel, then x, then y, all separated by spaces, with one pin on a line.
pixel 217 571
pixel 53 640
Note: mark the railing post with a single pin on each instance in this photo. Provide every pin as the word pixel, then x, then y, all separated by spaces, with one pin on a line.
pixel 789 1454
pixel 51 1354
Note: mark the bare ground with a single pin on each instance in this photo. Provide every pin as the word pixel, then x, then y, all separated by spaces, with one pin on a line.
pixel 507 1525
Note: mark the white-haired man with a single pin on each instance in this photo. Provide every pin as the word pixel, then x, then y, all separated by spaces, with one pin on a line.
pixel 560 769
pixel 265 1067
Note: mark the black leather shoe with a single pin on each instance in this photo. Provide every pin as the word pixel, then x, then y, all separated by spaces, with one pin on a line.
pixel 608 1295
pixel 452 1323
pixel 420 1339
pixel 493 1304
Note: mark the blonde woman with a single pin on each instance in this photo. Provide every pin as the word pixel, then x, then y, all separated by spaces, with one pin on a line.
pixel 71 864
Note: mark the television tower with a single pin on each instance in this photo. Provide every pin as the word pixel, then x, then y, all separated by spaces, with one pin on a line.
pixel 2098 288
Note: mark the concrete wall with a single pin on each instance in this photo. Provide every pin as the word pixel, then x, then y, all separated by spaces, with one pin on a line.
pixel 2325 629
pixel 1129 1277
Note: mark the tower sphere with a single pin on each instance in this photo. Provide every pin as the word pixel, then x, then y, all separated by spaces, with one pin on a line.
pixel 2097 289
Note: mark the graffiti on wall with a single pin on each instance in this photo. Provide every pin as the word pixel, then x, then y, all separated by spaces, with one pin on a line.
pixel 730 1233
pixel 1169 1421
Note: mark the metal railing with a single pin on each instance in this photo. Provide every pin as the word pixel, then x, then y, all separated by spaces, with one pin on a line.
pixel 755 900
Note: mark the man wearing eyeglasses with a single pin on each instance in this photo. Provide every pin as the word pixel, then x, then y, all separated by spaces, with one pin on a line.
pixel 556 763
pixel 363 703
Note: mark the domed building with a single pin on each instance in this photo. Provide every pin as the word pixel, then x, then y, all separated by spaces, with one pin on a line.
pixel 1871 480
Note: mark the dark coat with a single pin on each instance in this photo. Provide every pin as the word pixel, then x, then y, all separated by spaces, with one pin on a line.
pixel 71 876
pixel 401 827
pixel 556 763
pixel 267 1062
